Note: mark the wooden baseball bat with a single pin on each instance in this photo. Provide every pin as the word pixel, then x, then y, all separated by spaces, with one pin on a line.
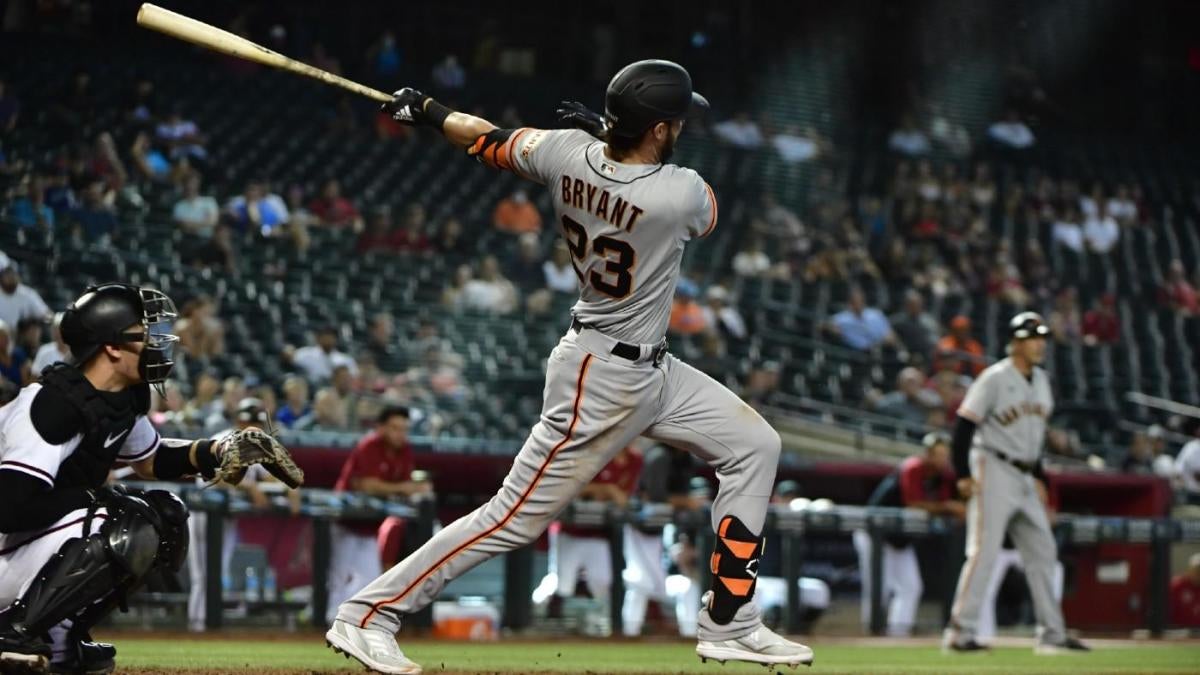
pixel 197 32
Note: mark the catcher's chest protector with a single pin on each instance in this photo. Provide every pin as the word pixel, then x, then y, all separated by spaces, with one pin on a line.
pixel 68 405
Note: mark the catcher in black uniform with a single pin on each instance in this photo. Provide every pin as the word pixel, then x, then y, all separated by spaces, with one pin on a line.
pixel 71 547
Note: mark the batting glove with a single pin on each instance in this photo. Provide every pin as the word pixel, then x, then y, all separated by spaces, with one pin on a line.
pixel 578 115
pixel 407 107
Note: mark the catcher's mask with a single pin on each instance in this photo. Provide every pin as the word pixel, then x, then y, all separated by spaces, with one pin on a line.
pixel 103 315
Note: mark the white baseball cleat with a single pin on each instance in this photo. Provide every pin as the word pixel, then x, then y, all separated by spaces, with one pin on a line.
pixel 375 649
pixel 761 645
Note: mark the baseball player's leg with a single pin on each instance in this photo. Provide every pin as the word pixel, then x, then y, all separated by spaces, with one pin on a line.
pixel 1031 534
pixel 569 558
pixel 1005 560
pixel 353 564
pixel 906 589
pixel 703 417
pixel 593 407
pixel 197 566
pixel 644 576
pixel 988 514
pixel 862 546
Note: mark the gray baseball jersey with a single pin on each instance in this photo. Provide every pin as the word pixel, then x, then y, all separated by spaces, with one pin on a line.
pixel 626 226
pixel 1010 410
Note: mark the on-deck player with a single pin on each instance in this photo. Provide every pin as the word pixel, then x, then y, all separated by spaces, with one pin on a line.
pixel 997 449
pixel 626 215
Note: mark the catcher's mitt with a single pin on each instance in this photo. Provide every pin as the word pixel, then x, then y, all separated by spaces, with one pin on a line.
pixel 241 449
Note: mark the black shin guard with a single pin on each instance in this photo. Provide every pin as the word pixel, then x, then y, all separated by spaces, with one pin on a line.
pixel 734 566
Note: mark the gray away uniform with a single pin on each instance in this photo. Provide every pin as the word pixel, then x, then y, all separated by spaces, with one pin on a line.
pixel 1010 412
pixel 626 226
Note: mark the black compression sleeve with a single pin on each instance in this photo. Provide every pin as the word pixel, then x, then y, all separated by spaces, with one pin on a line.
pixel 1039 470
pixel 28 504
pixel 960 446
pixel 173 459
pixel 437 113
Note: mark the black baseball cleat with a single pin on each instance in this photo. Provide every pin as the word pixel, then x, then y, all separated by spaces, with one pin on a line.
pixel 965 647
pixel 86 657
pixel 1065 647
pixel 20 654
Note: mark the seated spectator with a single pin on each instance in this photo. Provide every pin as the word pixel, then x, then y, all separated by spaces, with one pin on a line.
pixel 1185 595
pixel 440 374
pixel 453 294
pixel 53 351
pixel 448 76
pixel 1177 293
pixel 1035 270
pixel 29 335
pixel 908 139
pixel 196 213
pixel 411 237
pixel 740 132
pixel 722 317
pixel 1187 464
pixel 300 219
pixel 205 402
pixel 963 348
pixel 381 464
pixel 30 210
pixel 141 104
pixel 317 361
pixel 752 261
pixel 1012 132
pixel 517 215
pixel 916 328
pixel 296 407
pixel 795 146
pixel 10 109
pixel 559 270
pixel 182 137
pixel 1122 207
pixel 377 235
pixel 329 411
pixel 217 254
pixel 781 225
pixel 334 210
pixel 168 408
pixel 1144 454
pixel 1101 231
pixel 257 210
pixel 201 333
pixel 983 188
pixel 151 164
pixel 451 241
pixel 525 271
pixel 490 291
pixel 1089 205
pixel 385 56
pixel 950 135
pixel 861 327
pixel 381 342
pixel 1004 283
pixel 1065 321
pixel 1101 325
pixel 911 402
pixel 929 186
pixel 15 366
pixel 95 218
pixel 687 316
pixel 1067 231
pixel 18 301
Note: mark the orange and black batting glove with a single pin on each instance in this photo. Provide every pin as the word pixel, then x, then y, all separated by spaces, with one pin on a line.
pixel 734 565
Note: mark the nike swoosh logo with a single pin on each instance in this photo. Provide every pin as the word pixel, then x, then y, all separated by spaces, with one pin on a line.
pixel 108 442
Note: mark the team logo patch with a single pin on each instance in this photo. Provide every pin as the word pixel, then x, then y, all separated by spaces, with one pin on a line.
pixel 608 168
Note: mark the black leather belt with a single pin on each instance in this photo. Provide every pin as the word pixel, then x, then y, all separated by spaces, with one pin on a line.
pixel 624 349
pixel 1023 467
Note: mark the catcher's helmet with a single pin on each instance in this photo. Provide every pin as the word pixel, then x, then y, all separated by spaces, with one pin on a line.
pixel 1026 325
pixel 645 93
pixel 104 315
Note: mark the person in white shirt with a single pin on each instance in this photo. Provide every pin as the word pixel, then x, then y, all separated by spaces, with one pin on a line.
pixel 559 271
pixel 795 147
pixel 1122 207
pixel 1101 232
pixel 1012 132
pixel 318 361
pixel 1187 466
pixel 182 136
pixel 741 132
pixel 54 351
pixel 18 301
pixel 908 139
pixel 1067 231
pixel 721 316
pixel 196 213
pixel 490 291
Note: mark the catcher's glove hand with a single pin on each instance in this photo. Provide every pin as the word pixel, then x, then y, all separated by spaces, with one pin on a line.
pixel 252 445
pixel 407 107
pixel 578 115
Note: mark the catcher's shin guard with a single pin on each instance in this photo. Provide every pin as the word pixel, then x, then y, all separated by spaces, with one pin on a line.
pixel 734 565
pixel 90 575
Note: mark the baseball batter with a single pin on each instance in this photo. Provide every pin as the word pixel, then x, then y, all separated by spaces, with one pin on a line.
pixel 625 214
pixel 998 439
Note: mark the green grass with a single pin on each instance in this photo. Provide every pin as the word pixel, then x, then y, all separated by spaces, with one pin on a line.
pixel 641 657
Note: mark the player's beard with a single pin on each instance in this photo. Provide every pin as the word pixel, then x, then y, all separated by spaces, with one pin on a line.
pixel 667 149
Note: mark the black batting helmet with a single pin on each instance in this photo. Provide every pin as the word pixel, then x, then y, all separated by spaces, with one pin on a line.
pixel 645 93
pixel 1026 325
pixel 104 315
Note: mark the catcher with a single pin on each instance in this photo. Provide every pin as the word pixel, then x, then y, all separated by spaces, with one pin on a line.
pixel 72 548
